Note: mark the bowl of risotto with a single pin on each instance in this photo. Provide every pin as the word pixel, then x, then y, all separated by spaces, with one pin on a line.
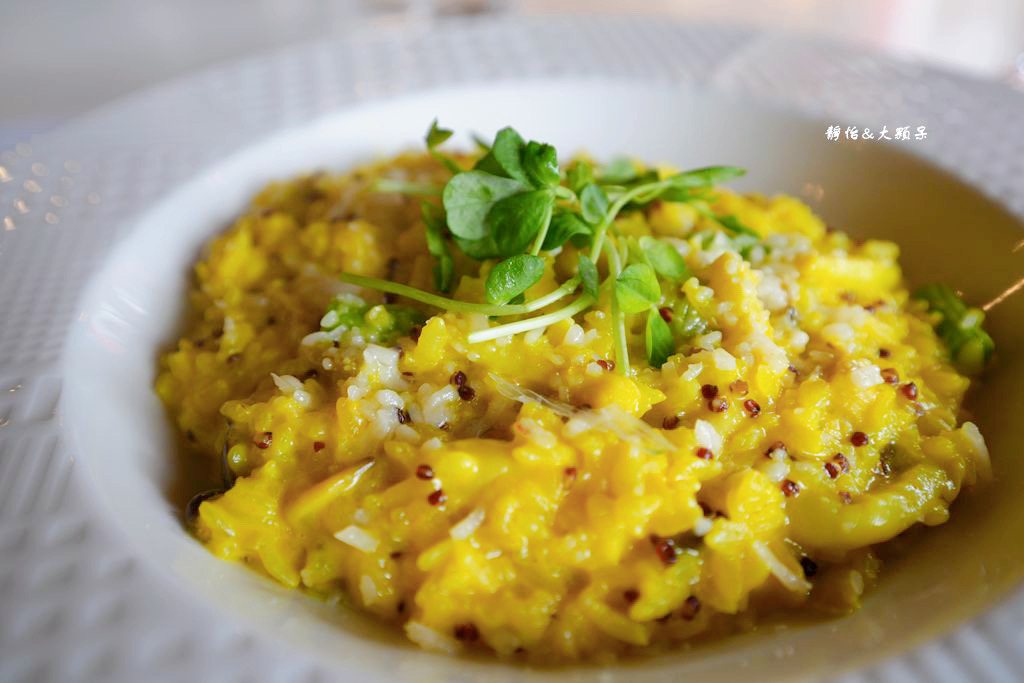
pixel 497 392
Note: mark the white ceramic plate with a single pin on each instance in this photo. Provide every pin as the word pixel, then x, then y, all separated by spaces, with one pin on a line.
pixel 99 223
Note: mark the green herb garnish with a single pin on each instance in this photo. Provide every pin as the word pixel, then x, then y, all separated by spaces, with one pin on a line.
pixel 517 207
pixel 380 324
pixel 959 327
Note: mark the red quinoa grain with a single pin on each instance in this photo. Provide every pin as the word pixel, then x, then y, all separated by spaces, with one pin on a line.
pixel 264 440
pixel 438 497
pixel 909 390
pixel 705 453
pixel 670 422
pixel 790 488
pixel 690 608
pixel 752 407
pixel 425 472
pixel 667 550
pixel 859 439
pixel 890 376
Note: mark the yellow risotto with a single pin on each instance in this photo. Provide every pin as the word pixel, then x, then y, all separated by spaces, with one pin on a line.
pixel 522 492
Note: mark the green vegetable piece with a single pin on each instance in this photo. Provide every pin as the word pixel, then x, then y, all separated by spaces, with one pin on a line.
pixel 686 321
pixel 579 175
pixel 637 288
pixel 733 225
pixel 959 327
pixel 508 153
pixel 564 225
pixel 540 161
pixel 593 204
pixel 444 265
pixel 705 177
pixel 480 249
pixel 515 220
pixel 664 258
pixel 488 164
pixel 345 310
pixel 512 277
pixel 588 276
pixel 658 339
pixel 382 323
pixel 618 171
pixel 469 196
pixel 436 135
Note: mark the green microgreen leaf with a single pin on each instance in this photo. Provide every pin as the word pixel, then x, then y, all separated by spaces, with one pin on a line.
pixel 959 327
pixel 468 198
pixel 637 288
pixel 579 175
pixel 686 322
pixel 733 225
pixel 664 258
pixel 514 221
pixel 564 225
pixel 436 136
pixel 512 277
pixel 508 153
pixel 488 164
pixel 480 250
pixel 540 161
pixel 588 276
pixel 593 203
pixel 618 171
pixel 658 339
pixel 705 177
pixel 444 265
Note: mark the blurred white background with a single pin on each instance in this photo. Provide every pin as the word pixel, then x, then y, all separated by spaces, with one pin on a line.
pixel 59 58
